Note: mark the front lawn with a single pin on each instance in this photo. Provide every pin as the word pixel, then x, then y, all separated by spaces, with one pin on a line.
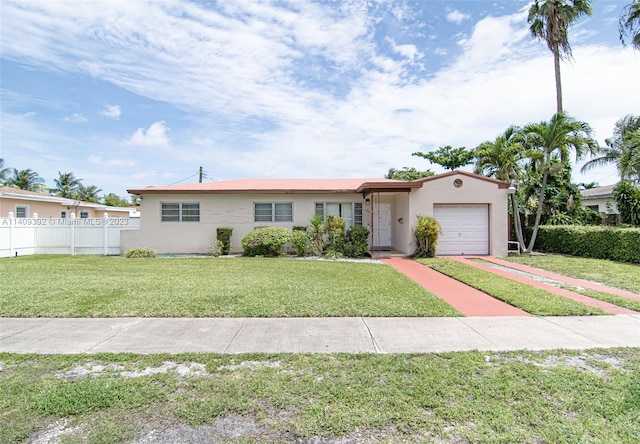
pixel 96 286
pixel 616 274
pixel 556 396
pixel 532 300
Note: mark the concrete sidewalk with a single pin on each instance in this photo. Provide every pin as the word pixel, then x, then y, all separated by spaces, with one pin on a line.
pixel 314 335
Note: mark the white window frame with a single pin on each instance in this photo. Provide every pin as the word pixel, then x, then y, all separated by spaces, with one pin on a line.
pixel 356 211
pixel 24 208
pixel 273 216
pixel 183 214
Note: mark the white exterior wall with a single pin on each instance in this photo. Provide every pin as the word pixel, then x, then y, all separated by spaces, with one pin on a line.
pixel 605 205
pixel 441 191
pixel 217 210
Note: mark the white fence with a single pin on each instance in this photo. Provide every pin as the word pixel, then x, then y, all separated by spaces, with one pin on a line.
pixel 24 236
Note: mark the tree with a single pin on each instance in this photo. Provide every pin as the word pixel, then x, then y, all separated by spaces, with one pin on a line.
pixel 502 159
pixel 25 180
pixel 66 185
pixel 3 172
pixel 549 21
pixel 627 199
pixel 550 144
pixel 629 24
pixel 87 194
pixel 622 150
pixel 407 174
pixel 447 156
pixel 113 200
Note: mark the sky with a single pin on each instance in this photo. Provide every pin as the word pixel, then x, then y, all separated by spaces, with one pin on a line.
pixel 128 94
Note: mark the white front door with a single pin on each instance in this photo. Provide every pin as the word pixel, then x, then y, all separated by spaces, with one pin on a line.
pixel 382 225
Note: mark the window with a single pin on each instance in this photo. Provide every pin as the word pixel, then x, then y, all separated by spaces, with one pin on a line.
pixel 593 207
pixel 351 213
pixel 84 215
pixel 273 212
pixel 180 212
pixel 22 211
pixel 63 215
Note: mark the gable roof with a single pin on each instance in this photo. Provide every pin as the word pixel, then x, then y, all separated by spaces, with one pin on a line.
pixel 603 192
pixel 500 183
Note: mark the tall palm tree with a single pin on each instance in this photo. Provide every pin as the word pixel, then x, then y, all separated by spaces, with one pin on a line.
pixel 25 180
pixel 551 144
pixel 502 159
pixel 87 194
pixel 66 185
pixel 622 150
pixel 549 21
pixel 629 24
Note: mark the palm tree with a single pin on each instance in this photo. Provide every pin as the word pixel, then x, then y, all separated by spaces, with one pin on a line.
pixel 550 144
pixel 622 150
pixel 87 194
pixel 3 172
pixel 549 21
pixel 629 24
pixel 66 185
pixel 25 180
pixel 502 160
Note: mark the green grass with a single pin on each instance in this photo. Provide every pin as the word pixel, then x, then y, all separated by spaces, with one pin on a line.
pixel 532 300
pixel 96 286
pixel 556 396
pixel 616 274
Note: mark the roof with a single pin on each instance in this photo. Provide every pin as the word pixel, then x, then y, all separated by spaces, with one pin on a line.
pixel 17 193
pixel 598 192
pixel 277 186
pixel 303 186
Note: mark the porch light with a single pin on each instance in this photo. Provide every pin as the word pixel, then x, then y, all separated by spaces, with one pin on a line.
pixel 512 188
pixel 367 201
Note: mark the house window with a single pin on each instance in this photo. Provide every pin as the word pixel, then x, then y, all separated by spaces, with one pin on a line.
pixel 351 213
pixel 595 208
pixel 84 215
pixel 22 211
pixel 63 215
pixel 273 212
pixel 180 212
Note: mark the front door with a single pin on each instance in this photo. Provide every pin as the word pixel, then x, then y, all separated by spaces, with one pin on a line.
pixel 382 225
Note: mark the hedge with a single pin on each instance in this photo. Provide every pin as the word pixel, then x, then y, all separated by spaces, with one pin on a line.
pixel 617 244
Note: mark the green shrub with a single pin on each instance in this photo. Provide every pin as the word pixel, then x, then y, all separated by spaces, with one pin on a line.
pixel 316 231
pixel 301 242
pixel 627 199
pixel 223 234
pixel 357 241
pixel 299 228
pixel 141 252
pixel 268 241
pixel 335 235
pixel 618 244
pixel 426 231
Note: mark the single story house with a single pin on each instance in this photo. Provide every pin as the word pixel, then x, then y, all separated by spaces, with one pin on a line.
pixel 471 209
pixel 600 199
pixel 26 204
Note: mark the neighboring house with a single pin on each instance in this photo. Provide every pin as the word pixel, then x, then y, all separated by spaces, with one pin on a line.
pixel 183 218
pixel 600 199
pixel 25 204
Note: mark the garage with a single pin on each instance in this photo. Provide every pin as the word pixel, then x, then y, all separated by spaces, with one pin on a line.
pixel 465 229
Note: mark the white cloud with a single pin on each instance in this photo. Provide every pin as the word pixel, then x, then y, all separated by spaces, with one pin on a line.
pixel 97 160
pixel 155 135
pixel 111 111
pixel 76 118
pixel 457 17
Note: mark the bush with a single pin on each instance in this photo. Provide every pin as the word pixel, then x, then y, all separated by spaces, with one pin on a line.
pixel 141 252
pixel 617 244
pixel 426 231
pixel 627 199
pixel 223 234
pixel 357 241
pixel 301 241
pixel 334 226
pixel 268 241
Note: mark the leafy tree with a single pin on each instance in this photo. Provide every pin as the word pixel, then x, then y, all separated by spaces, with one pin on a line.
pixel 447 156
pixel 629 24
pixel 549 21
pixel 88 194
pixel 502 159
pixel 622 150
pixel 25 180
pixel 550 144
pixel 627 199
pixel 3 172
pixel 66 185
pixel 113 200
pixel 407 174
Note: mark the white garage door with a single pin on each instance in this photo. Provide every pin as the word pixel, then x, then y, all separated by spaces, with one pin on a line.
pixel 465 229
